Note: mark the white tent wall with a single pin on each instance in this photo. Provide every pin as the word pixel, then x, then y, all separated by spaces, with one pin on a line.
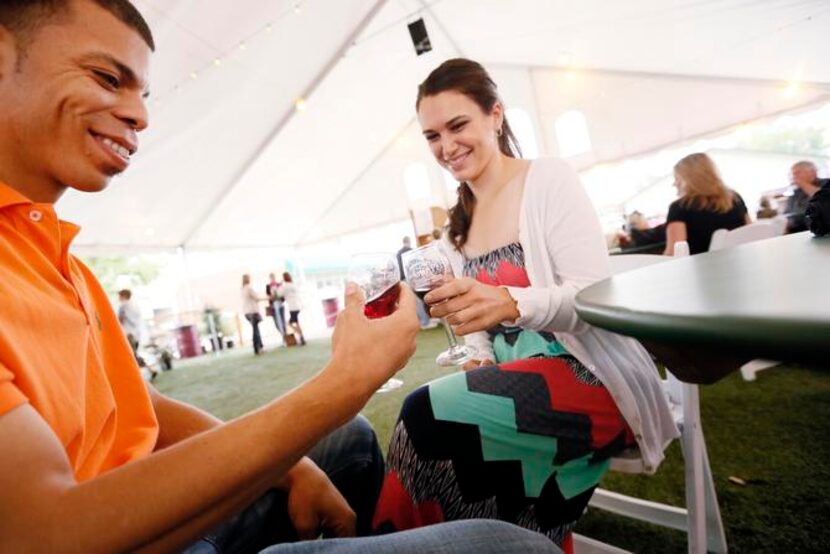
pixel 228 163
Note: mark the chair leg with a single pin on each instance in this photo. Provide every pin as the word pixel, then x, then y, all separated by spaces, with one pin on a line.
pixel 695 499
pixel 705 531
pixel 715 536
pixel 749 369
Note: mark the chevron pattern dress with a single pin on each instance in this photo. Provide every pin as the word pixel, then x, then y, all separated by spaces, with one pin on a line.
pixel 525 441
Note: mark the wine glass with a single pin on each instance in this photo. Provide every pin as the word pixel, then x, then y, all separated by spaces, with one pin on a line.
pixel 378 275
pixel 427 268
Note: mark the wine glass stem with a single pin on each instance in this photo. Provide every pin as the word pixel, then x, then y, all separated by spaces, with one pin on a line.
pixel 450 335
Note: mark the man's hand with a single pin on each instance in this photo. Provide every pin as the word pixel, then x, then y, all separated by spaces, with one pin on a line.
pixel 471 306
pixel 315 505
pixel 371 351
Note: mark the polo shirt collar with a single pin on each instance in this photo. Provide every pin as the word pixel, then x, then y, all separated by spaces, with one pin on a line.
pixel 10 197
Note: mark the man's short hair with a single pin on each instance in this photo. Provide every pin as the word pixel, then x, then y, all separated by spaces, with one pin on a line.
pixel 24 17
pixel 804 164
pixel 126 294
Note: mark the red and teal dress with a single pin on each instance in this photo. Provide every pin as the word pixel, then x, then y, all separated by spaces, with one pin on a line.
pixel 525 440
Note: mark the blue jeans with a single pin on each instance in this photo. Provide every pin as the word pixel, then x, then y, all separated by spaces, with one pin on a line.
pixel 352 460
pixel 481 536
pixel 254 319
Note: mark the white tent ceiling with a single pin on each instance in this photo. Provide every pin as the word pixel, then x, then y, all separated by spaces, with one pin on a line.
pixel 228 160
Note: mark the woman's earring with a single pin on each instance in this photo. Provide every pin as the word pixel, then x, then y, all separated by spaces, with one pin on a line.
pixel 499 132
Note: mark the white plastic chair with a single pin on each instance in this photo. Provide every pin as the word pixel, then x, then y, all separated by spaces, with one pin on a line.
pixel 760 230
pixel 701 517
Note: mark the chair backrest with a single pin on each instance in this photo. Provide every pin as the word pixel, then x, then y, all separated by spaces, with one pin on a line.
pixel 682 397
pixel 764 229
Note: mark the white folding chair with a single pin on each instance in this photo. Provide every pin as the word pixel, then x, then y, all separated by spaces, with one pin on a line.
pixel 701 517
pixel 760 230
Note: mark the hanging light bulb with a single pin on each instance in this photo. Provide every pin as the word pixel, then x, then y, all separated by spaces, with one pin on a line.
pixel 792 89
pixel 297 8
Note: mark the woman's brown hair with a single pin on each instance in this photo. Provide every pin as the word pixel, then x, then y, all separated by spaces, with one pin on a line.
pixel 472 80
pixel 702 189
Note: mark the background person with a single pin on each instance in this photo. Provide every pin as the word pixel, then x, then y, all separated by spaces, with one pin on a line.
pixel 765 209
pixel 129 316
pixel 423 316
pixel 289 291
pixel 805 184
pixel 250 307
pixel 276 304
pixel 705 205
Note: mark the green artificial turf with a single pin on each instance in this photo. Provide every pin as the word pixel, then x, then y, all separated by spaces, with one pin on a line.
pixel 771 433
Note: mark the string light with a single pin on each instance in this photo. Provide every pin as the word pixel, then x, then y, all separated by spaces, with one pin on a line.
pixel 792 89
pixel 297 8
pixel 300 105
pixel 194 75
pixel 217 62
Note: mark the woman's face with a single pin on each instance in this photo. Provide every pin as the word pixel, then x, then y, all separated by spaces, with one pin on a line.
pixel 678 184
pixel 461 136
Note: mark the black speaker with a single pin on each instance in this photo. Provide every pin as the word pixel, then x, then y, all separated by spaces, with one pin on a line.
pixel 420 38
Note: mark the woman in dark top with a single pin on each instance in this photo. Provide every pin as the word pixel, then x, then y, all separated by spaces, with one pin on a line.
pixel 705 205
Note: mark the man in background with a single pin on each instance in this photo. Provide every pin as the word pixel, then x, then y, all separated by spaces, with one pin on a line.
pixel 806 183
pixel 129 316
pixel 423 314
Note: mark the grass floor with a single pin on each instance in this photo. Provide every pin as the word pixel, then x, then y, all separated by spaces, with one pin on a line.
pixel 772 433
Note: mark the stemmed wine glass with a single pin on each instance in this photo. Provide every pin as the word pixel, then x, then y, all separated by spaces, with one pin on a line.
pixel 427 268
pixel 378 275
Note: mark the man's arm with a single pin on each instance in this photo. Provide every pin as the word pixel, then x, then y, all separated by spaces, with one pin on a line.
pixel 178 421
pixel 319 498
pixel 43 508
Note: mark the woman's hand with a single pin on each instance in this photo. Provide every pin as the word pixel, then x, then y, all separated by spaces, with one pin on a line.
pixel 475 364
pixel 471 306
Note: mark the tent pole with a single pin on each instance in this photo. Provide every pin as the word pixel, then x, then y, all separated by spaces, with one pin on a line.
pixel 189 302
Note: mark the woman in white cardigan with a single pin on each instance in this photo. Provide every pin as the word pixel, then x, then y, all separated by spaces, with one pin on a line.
pixel 528 430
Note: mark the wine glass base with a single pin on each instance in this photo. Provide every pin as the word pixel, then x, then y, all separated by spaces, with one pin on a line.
pixel 456 355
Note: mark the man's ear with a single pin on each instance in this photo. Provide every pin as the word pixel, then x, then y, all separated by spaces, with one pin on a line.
pixel 8 53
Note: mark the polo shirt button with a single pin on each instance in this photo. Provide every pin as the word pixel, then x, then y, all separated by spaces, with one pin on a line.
pixel 35 215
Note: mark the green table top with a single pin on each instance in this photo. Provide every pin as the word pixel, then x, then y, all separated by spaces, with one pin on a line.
pixel 768 299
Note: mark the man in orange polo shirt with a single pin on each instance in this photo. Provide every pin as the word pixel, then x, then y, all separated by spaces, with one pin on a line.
pixel 91 459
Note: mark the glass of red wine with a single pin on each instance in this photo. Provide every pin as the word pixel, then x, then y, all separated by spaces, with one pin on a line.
pixel 378 275
pixel 427 268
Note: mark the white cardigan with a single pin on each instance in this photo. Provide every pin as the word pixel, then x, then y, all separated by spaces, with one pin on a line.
pixel 564 252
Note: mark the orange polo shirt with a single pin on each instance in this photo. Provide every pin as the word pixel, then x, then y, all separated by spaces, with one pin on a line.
pixel 61 347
